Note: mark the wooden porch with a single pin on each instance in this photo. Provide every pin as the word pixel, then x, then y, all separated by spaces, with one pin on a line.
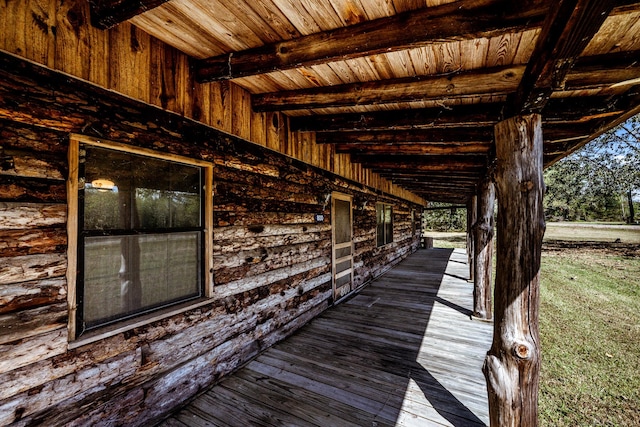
pixel 403 352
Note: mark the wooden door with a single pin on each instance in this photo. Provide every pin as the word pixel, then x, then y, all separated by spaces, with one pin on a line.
pixel 342 248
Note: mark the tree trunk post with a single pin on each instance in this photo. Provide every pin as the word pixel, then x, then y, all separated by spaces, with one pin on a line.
pixel 631 219
pixel 512 365
pixel 471 220
pixel 483 250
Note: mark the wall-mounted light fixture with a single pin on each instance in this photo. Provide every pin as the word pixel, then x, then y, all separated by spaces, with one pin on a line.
pixel 103 184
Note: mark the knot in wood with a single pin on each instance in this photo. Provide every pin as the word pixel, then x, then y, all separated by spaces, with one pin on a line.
pixel 526 186
pixel 522 351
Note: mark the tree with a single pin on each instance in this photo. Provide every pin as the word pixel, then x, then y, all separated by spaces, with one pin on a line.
pixel 446 219
pixel 599 181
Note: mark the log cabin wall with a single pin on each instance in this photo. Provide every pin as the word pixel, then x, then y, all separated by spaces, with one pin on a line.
pixel 272 259
pixel 58 34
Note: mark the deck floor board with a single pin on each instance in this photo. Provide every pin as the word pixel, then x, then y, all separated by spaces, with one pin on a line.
pixel 402 352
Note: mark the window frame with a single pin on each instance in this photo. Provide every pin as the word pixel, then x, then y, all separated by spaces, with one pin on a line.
pixel 385 224
pixel 74 211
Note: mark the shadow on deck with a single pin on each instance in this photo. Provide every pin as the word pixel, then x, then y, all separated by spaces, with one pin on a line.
pixel 402 352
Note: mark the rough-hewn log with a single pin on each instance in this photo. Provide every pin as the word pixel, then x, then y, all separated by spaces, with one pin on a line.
pixel 472 214
pixel 567 30
pixel 27 215
pixel 32 267
pixel 560 110
pixel 30 190
pixel 490 81
pixel 109 13
pixel 483 250
pixel 513 363
pixel 477 115
pixel 421 163
pixel 32 241
pixel 461 135
pixel 448 22
pixel 415 148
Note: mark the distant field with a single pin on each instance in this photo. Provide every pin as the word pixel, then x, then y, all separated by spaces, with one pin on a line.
pixel 563 231
pixel 571 231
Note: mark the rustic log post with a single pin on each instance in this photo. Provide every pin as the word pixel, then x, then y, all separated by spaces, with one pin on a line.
pixel 512 364
pixel 471 220
pixel 483 250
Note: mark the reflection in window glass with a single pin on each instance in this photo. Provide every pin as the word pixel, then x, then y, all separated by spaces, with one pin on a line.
pixel 141 234
pixel 384 224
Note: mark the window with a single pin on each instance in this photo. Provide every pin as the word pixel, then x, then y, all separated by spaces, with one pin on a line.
pixel 384 222
pixel 142 232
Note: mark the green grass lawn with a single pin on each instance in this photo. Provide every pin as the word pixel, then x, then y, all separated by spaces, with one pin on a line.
pixel 589 327
pixel 589 324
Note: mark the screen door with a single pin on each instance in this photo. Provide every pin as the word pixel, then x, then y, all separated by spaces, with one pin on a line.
pixel 342 251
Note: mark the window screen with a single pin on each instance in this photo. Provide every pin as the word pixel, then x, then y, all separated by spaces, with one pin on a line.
pixel 140 237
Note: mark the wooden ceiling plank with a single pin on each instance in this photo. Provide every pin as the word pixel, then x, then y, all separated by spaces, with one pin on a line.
pixel 461 20
pixel 569 27
pixel 106 14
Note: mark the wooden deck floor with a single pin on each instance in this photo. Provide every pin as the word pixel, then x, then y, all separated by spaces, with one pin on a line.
pixel 403 352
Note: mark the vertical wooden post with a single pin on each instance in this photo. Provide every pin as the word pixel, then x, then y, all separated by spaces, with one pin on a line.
pixel 512 364
pixel 483 250
pixel 471 220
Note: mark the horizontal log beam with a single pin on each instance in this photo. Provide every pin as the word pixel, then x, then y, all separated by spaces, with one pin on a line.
pixel 106 14
pixel 561 110
pixel 415 148
pixel 477 115
pixel 414 135
pixel 460 20
pixel 603 70
pixel 568 28
pixel 493 81
pixel 421 163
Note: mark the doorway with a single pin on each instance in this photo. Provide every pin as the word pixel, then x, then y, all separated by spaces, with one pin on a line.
pixel 342 245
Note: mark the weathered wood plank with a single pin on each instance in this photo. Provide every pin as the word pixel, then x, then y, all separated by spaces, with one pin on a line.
pixel 23 295
pixel 32 267
pixel 32 241
pixel 27 215
pixel 22 325
pixel 401 352
pixel 40 347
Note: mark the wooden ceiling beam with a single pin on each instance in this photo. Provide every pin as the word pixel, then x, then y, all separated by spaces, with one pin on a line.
pixel 560 110
pixel 421 163
pixel 415 148
pixel 604 70
pixel 476 115
pixel 460 20
pixel 106 14
pixel 483 134
pixel 568 28
pixel 493 81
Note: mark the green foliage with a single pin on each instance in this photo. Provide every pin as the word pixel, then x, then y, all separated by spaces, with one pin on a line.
pixel 595 182
pixel 445 219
